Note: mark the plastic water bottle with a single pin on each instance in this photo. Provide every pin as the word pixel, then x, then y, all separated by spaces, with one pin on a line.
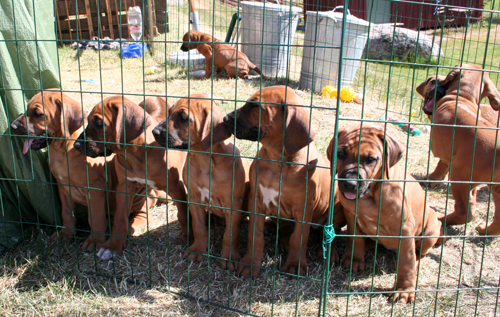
pixel 135 22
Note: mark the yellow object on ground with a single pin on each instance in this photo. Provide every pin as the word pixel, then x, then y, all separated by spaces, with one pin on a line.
pixel 329 92
pixel 347 94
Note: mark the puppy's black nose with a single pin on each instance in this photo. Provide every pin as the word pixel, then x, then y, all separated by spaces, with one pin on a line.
pixel 14 126
pixel 156 132
pixel 350 185
pixel 77 145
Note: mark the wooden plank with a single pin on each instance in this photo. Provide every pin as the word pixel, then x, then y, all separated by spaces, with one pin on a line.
pixel 110 19
pixel 58 26
pixel 117 13
pixel 150 26
pixel 89 18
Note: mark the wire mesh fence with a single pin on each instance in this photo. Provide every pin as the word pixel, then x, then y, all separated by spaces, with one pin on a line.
pixel 174 183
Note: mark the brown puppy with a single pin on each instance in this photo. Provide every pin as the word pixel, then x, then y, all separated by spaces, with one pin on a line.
pixel 394 199
pixel 224 55
pixel 56 115
pixel 156 106
pixel 464 103
pixel 279 176
pixel 219 180
pixel 143 170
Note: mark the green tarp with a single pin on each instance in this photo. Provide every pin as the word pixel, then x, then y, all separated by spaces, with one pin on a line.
pixel 28 63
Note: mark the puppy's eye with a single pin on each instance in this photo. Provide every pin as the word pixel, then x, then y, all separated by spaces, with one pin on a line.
pixel 433 81
pixel 340 155
pixel 183 117
pixel 98 124
pixel 37 114
pixel 370 160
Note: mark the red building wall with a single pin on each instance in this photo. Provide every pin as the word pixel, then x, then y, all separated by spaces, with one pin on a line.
pixel 413 15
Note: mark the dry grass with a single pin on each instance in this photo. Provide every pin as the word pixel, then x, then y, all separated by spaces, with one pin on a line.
pixel 45 279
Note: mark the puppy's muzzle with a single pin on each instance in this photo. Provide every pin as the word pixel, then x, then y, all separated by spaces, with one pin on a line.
pixel 352 187
pixel 242 132
pixel 184 48
pixel 92 149
pixel 432 97
pixel 160 133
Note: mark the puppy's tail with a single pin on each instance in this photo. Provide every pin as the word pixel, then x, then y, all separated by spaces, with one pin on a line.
pixel 254 67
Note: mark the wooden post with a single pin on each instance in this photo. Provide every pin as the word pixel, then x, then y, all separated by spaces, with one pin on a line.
pixel 89 18
pixel 150 27
pixel 110 20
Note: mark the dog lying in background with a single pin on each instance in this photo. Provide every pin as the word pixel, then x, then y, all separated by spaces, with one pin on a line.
pixel 224 55
pixel 399 206
pixel 142 170
pixel 54 114
pixel 456 105
pixel 218 180
pixel 278 189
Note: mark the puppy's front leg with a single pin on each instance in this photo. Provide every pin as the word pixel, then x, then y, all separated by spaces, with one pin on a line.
pixel 66 215
pixel 119 232
pixel 407 268
pixel 97 219
pixel 357 250
pixel 255 245
pixel 230 242
pixel 206 50
pixel 199 221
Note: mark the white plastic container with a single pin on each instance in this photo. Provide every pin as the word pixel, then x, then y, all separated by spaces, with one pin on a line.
pixel 268 23
pixel 135 22
pixel 322 62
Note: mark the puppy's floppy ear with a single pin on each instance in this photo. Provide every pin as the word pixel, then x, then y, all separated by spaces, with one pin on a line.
pixel 452 75
pixel 421 88
pixel 220 131
pixel 393 152
pixel 71 112
pixel 169 104
pixel 297 132
pixel 329 150
pixel 490 91
pixel 131 116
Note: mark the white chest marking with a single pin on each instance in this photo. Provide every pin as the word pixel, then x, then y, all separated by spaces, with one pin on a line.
pixel 269 195
pixel 204 192
pixel 139 180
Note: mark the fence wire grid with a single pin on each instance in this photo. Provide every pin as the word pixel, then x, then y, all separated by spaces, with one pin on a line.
pixel 147 232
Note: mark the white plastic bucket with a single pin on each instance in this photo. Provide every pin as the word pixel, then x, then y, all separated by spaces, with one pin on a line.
pixel 322 62
pixel 267 33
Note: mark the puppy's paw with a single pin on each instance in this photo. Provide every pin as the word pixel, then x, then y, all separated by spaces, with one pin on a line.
pixel 403 298
pixel 93 243
pixel 195 254
pixel 244 270
pixel 492 230
pixel 108 250
pixel 63 234
pixel 293 268
pixel 230 265
pixel 358 263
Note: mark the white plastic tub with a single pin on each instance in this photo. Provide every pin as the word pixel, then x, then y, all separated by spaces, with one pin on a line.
pixel 322 62
pixel 267 31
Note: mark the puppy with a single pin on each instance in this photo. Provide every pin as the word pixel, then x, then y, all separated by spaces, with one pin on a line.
pixel 224 55
pixel 475 138
pixel 117 125
pixel 157 107
pixel 54 119
pixel 215 179
pixel 286 165
pixel 401 206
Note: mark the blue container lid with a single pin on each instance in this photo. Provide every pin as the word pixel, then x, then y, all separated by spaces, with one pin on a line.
pixel 134 50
